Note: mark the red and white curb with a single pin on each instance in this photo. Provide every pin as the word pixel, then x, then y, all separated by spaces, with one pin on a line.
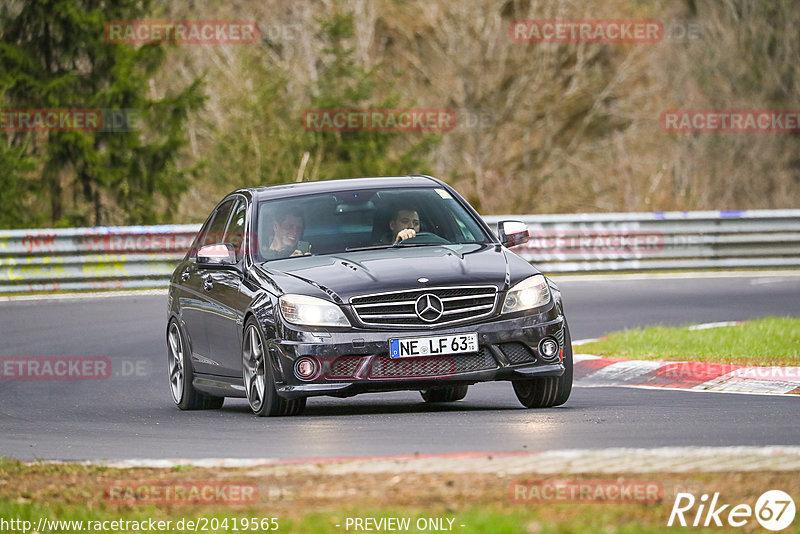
pixel 501 463
pixel 594 371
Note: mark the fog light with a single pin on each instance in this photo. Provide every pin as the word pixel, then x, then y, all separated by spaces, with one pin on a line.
pixel 548 348
pixel 306 368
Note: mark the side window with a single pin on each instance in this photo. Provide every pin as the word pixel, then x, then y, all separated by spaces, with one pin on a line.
pixel 216 231
pixel 196 244
pixel 235 233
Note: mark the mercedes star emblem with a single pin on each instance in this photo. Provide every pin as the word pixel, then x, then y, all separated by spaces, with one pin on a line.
pixel 429 307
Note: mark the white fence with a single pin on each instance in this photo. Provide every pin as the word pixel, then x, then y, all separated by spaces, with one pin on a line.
pixel 144 256
pixel 662 240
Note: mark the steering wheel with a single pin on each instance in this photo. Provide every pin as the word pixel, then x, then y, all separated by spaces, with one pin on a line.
pixel 426 237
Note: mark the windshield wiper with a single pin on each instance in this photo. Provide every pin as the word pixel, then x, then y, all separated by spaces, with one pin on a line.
pixel 368 247
pixel 394 245
pixel 404 244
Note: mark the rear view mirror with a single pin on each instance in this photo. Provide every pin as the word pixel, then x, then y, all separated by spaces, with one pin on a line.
pixel 354 207
pixel 221 254
pixel 512 233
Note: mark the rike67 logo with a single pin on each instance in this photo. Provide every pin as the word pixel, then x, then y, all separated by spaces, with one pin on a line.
pixel 774 510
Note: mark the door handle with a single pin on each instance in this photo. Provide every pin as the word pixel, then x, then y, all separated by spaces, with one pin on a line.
pixel 185 275
pixel 208 284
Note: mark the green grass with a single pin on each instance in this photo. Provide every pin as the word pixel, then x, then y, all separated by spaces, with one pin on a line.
pixel 480 502
pixel 770 341
pixel 10 467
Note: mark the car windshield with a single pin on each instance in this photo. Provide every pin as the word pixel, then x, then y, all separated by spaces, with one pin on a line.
pixel 347 221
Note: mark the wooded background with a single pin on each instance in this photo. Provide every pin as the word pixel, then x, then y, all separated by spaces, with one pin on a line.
pixel 542 127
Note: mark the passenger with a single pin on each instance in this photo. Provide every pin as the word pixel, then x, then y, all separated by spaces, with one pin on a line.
pixel 287 230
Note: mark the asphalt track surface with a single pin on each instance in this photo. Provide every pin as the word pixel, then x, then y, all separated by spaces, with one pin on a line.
pixel 131 415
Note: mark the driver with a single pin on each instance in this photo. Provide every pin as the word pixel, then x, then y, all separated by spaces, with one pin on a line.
pixel 403 225
pixel 287 229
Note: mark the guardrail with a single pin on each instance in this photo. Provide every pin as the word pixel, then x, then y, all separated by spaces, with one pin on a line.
pixel 661 240
pixel 145 256
pixel 113 257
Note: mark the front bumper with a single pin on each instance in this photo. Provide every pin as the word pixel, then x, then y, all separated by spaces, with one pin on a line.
pixel 357 361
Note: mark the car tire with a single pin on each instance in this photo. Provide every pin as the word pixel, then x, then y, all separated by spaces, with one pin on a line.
pixel 259 381
pixel 181 374
pixel 444 394
pixel 548 391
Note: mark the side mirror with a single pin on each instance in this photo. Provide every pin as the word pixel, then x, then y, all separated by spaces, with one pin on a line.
pixel 512 233
pixel 222 254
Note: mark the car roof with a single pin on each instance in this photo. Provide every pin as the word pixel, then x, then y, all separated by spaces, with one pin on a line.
pixel 326 186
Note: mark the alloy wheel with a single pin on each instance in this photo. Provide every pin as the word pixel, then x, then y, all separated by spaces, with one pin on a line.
pixel 254 368
pixel 176 371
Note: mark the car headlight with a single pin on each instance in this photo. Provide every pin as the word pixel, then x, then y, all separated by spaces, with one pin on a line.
pixel 531 293
pixel 311 311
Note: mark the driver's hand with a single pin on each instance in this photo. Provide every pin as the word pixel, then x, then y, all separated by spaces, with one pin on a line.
pixel 402 235
pixel 299 252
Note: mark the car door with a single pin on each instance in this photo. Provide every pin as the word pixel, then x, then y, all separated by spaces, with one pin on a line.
pixel 191 303
pixel 199 306
pixel 227 304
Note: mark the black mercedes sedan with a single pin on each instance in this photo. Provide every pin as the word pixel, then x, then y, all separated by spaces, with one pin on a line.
pixel 360 285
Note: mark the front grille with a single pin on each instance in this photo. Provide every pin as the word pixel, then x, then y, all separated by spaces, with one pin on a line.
pixel 398 308
pixel 517 352
pixel 385 367
pixel 344 367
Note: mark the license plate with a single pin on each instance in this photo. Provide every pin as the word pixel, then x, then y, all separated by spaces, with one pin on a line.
pixel 433 345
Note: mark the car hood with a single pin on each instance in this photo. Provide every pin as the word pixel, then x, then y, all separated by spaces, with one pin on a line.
pixel 342 276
